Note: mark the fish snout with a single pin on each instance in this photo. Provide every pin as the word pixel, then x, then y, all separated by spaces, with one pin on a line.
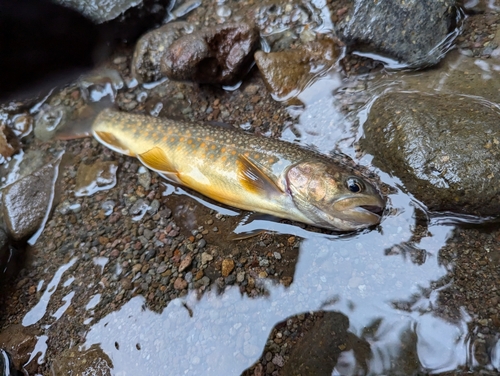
pixel 361 211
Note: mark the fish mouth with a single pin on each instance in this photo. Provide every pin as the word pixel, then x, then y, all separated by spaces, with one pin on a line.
pixel 365 211
pixel 377 210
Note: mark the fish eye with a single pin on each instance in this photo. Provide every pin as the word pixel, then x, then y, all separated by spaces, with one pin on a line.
pixel 354 185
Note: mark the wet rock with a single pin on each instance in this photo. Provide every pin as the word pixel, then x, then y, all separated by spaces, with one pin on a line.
pixel 227 267
pixel 73 361
pixel 444 148
pixel 95 177
pixel 19 341
pixel 206 257
pixel 49 120
pixel 408 32
pixel 119 15
pixel 180 283
pixel 205 281
pixel 151 48
pixel 9 144
pixel 240 277
pixel 185 263
pixel 283 23
pixel 101 83
pixel 287 73
pixel 26 202
pixel 100 10
pixel 144 177
pixel 220 54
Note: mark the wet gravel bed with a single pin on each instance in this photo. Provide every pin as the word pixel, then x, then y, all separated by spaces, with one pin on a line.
pixel 132 240
pixel 175 246
pixel 477 39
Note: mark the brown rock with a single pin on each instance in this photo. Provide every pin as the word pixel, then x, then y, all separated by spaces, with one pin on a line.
pixel 219 54
pixel 126 284
pixel 103 240
pixel 136 268
pixel 95 177
pixel 19 341
pixel 198 275
pixel 286 281
pixel 185 263
pixel 227 267
pixel 287 73
pixel 180 283
pixel 9 144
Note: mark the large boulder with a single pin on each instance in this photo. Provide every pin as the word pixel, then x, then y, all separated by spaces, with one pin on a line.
pixel 406 31
pixel 444 148
pixel 27 202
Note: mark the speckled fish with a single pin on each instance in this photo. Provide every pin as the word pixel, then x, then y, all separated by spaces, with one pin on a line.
pixel 246 171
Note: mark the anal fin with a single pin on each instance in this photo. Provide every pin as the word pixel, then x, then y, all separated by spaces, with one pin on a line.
pixel 254 180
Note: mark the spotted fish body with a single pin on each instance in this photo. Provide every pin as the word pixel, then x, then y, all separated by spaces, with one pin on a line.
pixel 245 171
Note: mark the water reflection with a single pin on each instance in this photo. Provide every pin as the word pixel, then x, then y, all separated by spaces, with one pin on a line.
pixel 351 279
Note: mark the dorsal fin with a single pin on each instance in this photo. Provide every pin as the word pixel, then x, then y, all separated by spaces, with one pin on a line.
pixel 254 180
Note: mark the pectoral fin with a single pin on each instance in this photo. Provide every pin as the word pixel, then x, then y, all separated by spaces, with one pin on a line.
pixel 253 179
pixel 109 140
pixel 156 159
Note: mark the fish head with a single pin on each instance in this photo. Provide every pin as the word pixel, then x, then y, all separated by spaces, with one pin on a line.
pixel 330 196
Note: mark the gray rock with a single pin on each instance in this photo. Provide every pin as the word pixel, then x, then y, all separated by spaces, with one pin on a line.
pixel 100 10
pixel 151 48
pixel 408 31
pixel 444 148
pixel 282 24
pixel 26 202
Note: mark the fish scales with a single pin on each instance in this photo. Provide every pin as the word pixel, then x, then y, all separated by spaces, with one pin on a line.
pixel 238 169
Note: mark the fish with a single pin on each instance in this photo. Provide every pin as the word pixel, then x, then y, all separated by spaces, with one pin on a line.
pixel 246 171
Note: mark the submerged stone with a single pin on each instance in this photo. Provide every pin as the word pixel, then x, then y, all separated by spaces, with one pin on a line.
pixel 95 177
pixel 282 24
pixel 27 202
pixel 287 73
pixel 444 148
pixel 413 33
pixel 74 361
pixel 49 120
pixel 220 54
